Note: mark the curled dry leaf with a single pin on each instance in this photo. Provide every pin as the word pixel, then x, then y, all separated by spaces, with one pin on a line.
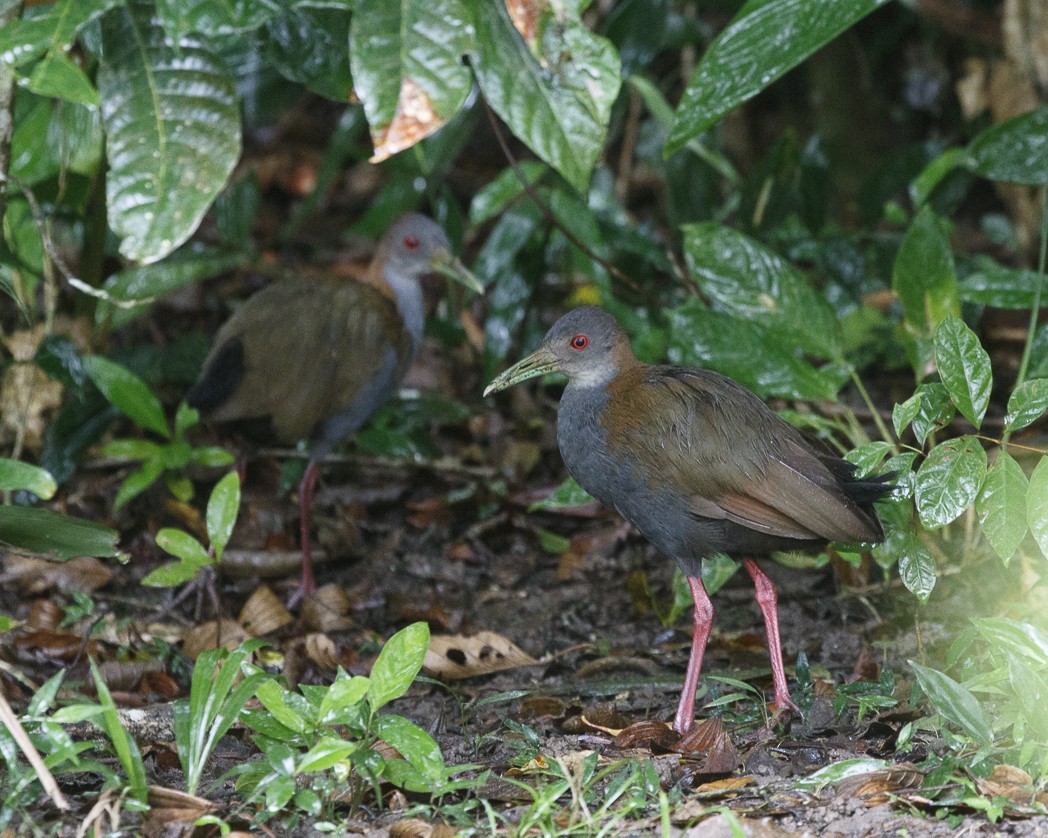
pixel 875 787
pixel 413 120
pixel 33 576
pixel 264 613
pixel 1012 783
pixel 125 675
pixel 44 614
pixel 649 734
pixel 456 656
pixel 708 737
pixel 416 828
pixel 322 650
pixel 169 810
pixel 327 610
pixel 212 635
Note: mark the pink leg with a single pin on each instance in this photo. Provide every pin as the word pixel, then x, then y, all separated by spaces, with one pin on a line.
pixel 767 599
pixel 702 621
pixel 305 502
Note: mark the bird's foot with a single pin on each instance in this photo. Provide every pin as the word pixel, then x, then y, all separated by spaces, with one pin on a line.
pixel 784 709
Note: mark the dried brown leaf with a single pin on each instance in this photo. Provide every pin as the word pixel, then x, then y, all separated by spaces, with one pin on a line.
pixel 212 635
pixel 321 649
pixel 264 613
pixel 327 610
pixel 454 656
pixel 875 787
pixel 34 576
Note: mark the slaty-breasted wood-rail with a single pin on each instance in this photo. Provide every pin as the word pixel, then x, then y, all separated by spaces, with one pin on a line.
pixel 315 358
pixel 699 465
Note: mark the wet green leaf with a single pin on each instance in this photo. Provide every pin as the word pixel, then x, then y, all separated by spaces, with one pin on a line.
pixel 764 41
pixel 954 702
pixel 555 94
pixel 57 76
pixel 916 566
pixel 414 744
pixel 16 475
pixel 172 127
pixel 927 409
pixel 327 752
pixel 128 393
pixel 222 509
pixel 996 285
pixel 416 41
pixel 44 531
pixel 397 664
pixel 182 545
pixel 1027 404
pixel 741 277
pixel 1013 150
pixel 964 367
pixel 1037 504
pixel 949 480
pixel 1001 505
pixel 868 456
pixel 924 275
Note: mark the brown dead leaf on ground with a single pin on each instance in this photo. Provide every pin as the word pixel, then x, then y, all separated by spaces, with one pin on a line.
pixel 212 635
pixel 34 576
pixel 1014 784
pixel 264 613
pixel 876 787
pixel 455 656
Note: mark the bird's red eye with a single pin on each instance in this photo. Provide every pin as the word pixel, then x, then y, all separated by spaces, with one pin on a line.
pixel 411 242
pixel 579 342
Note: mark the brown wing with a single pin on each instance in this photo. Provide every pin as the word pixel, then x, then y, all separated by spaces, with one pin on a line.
pixel 722 447
pixel 309 346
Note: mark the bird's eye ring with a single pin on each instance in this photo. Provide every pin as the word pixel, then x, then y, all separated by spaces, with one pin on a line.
pixel 411 242
pixel 579 342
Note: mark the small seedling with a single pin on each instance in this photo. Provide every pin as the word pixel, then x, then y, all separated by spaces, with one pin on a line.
pixel 222 509
pixel 168 459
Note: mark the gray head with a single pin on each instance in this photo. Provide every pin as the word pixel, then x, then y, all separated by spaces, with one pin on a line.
pixel 586 344
pixel 414 246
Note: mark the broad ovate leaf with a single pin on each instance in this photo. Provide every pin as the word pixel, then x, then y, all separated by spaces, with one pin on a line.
pixel 741 277
pixel 1001 505
pixel 1014 151
pixel 949 480
pixel 406 57
pixel 172 130
pixel 765 40
pixel 955 703
pixel 551 80
pixel 964 367
pixel 1037 504
pixel 924 275
pixel 128 393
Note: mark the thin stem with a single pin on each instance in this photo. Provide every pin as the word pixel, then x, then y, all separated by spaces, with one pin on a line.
pixel 886 435
pixel 1035 309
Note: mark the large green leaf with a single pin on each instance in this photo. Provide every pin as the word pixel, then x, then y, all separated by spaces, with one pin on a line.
pixel 25 39
pixel 964 367
pixel 949 480
pixel 128 393
pixel 994 284
pixel 172 129
pixel 1013 151
pixel 1002 505
pixel 214 17
pixel 927 409
pixel 1027 403
pixel 44 531
pixel 955 703
pixel 766 38
pixel 399 48
pixel 56 75
pixel 1037 504
pixel 310 44
pixel 193 263
pixel 916 566
pixel 924 275
pixel 745 351
pixel 741 277
pixel 397 664
pixel 555 93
